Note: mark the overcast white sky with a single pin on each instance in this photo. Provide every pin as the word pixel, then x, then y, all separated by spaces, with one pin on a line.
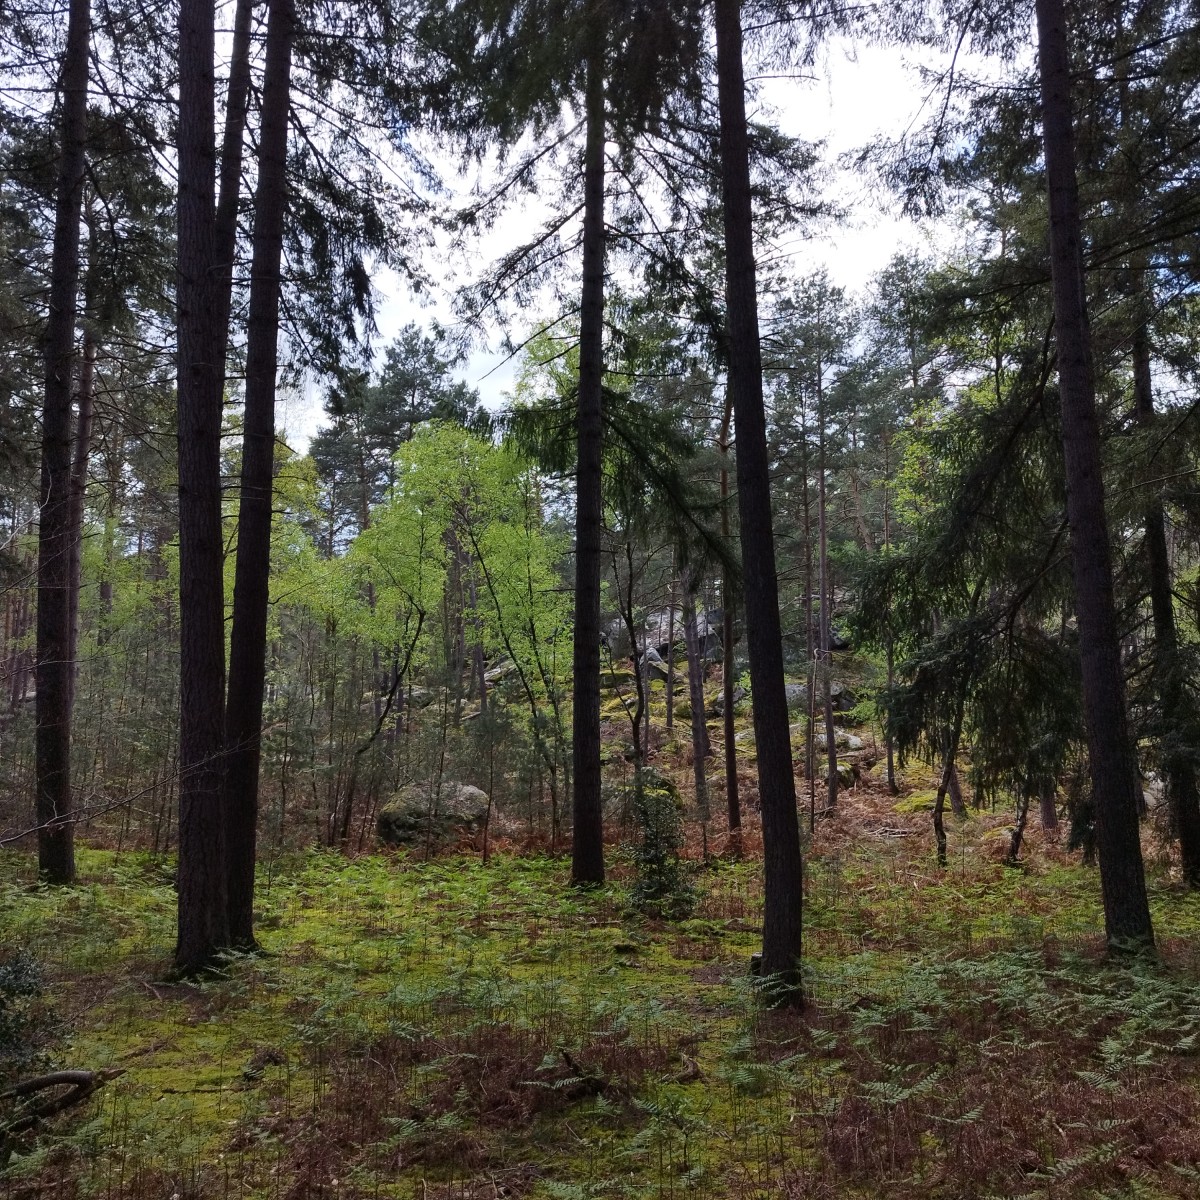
pixel 852 100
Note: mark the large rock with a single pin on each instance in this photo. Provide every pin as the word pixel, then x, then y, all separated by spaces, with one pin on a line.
pixel 425 814
pixel 797 697
pixel 717 707
pixel 842 740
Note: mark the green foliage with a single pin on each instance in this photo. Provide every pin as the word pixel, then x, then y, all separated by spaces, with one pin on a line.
pixel 662 884
pixel 27 1023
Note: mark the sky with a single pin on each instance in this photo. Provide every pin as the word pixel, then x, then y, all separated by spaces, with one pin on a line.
pixel 852 99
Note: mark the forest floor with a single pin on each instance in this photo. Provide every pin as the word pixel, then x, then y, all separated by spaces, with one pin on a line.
pixel 459 1030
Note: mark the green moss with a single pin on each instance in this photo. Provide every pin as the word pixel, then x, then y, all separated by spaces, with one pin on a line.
pixel 408 986
pixel 915 802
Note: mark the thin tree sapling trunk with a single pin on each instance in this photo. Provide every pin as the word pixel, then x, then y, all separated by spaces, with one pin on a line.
pixel 671 652
pixel 695 659
pixel 826 587
pixel 733 804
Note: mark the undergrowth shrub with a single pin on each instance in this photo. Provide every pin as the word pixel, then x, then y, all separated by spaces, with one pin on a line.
pixel 462 1078
pixel 997 1076
pixel 27 1022
pixel 662 886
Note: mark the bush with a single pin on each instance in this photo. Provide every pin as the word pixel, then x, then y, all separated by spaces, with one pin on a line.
pixel 27 1024
pixel 662 887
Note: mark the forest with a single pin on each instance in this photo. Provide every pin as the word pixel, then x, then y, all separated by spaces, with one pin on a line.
pixel 755 754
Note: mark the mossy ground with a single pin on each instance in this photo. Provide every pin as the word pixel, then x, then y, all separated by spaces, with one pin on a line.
pixel 455 1029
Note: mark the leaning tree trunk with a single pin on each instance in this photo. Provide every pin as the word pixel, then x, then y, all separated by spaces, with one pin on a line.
pixel 1114 782
pixel 248 639
pixel 783 866
pixel 587 846
pixel 203 913
pixel 52 749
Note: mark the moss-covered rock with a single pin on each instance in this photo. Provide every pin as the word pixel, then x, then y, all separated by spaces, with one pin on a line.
pixel 427 813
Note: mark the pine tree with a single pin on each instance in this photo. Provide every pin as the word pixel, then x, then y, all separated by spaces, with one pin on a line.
pixel 55 668
pixel 1126 909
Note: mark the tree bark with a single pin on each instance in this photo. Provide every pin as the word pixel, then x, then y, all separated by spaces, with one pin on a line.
pixel 733 804
pixel 1183 789
pixel 79 469
pixel 783 867
pixel 52 750
pixel 1114 783
pixel 248 639
pixel 671 652
pixel 203 914
pixel 695 663
pixel 1048 804
pixel 237 105
pixel 587 845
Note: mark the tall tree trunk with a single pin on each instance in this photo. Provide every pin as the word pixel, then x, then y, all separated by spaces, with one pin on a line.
pixel 823 582
pixel 587 846
pixel 1114 782
pixel 52 750
pixel 79 469
pixel 203 911
pixel 248 639
pixel 1183 789
pixel 237 105
pixel 783 867
pixel 733 803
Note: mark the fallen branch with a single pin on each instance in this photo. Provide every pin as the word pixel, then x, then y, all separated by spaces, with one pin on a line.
pixel 82 1084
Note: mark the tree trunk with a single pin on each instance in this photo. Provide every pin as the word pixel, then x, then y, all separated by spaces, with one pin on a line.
pixel 958 805
pixel 1048 800
pixel 1018 830
pixel 671 652
pixel 203 912
pixel 248 639
pixel 587 846
pixel 79 470
pixel 1114 783
pixel 732 798
pixel 695 663
pixel 824 583
pixel 56 844
pixel 783 867
pixel 1183 790
pixel 893 786
pixel 695 667
pixel 232 150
